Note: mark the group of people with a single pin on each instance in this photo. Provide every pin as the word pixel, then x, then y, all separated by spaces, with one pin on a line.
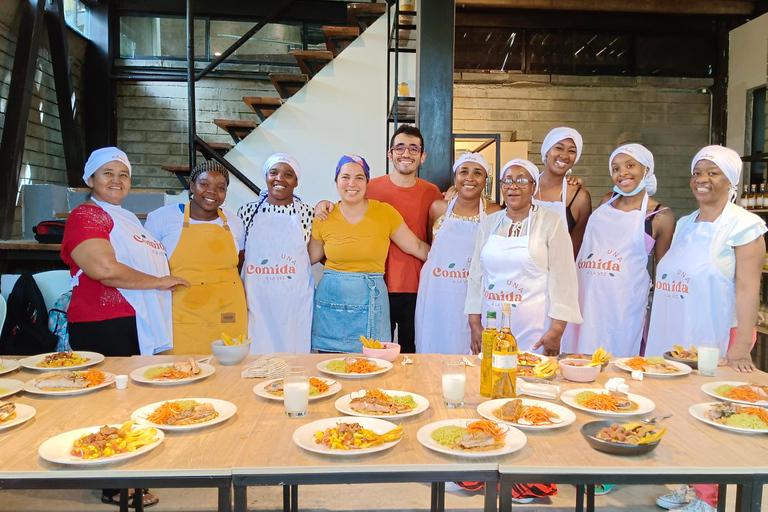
pixel 576 278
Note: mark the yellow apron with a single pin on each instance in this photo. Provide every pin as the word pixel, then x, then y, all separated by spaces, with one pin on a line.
pixel 207 257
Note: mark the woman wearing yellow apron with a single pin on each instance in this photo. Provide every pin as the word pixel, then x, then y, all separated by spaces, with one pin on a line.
pixel 203 244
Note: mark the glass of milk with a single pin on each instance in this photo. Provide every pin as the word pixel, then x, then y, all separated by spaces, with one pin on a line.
pixel 709 356
pixel 296 391
pixel 454 383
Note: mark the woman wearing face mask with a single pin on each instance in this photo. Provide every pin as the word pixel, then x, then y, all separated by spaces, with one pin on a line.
pixel 560 151
pixel 441 326
pixel 203 242
pixel 613 260
pixel 277 272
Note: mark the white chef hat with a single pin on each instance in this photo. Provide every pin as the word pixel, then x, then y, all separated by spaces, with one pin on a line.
pixel 558 134
pixel 103 156
pixel 284 158
pixel 642 155
pixel 471 157
pixel 726 159
pixel 528 166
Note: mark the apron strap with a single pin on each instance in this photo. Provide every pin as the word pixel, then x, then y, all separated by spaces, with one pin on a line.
pixel 219 211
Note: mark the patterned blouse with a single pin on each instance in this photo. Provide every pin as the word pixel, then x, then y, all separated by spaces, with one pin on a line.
pixel 306 213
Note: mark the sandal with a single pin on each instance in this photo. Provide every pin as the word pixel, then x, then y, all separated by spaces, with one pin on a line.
pixel 148 498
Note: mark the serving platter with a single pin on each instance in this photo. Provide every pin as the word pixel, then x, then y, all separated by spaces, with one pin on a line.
pixel 486 410
pixel 261 389
pixel 304 436
pixel 514 440
pixel 57 448
pixel 644 405
pixel 384 365
pixel 684 369
pixel 29 387
pixel 31 362
pixel 137 375
pixel 699 411
pixel 342 405
pixel 709 388
pixel 225 409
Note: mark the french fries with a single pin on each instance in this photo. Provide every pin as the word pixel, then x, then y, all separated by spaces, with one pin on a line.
pixel 545 369
pixel 108 441
pixel 370 343
pixel 599 357
pixel 239 340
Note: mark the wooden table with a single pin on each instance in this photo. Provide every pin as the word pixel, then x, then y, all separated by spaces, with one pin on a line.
pixel 18 256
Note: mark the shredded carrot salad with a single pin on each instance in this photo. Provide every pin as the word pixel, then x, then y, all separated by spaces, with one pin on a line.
pixel 489 427
pixel 602 402
pixel 760 412
pixel 172 373
pixel 537 415
pixel 637 363
pixel 377 393
pixel 162 414
pixel 362 366
pixel 319 385
pixel 743 393
pixel 94 377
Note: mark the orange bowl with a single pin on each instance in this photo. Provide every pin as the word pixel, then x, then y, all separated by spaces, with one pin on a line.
pixel 388 353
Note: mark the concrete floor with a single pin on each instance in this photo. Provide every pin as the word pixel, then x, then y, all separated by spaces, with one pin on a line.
pixel 342 497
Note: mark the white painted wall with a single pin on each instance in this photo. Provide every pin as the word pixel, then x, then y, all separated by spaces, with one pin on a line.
pixel 343 109
pixel 747 62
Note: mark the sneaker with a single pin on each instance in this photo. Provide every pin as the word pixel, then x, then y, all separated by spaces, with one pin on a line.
pixel 522 501
pixel 603 489
pixel 452 487
pixel 698 505
pixel 676 499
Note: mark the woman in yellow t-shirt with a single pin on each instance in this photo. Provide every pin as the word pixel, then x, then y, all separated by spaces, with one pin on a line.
pixel 351 298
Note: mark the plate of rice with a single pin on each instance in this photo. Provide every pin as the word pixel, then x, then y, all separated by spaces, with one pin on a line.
pixel 354 367
pixel 470 438
pixel 733 417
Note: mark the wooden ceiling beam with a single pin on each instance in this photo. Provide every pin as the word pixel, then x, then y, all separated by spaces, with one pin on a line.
pixel 708 7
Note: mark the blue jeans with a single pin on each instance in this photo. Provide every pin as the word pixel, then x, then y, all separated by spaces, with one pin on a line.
pixel 349 305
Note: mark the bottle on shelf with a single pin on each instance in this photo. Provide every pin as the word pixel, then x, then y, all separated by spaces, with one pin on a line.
pixel 402 90
pixel 761 203
pixel 504 360
pixel 486 369
pixel 752 198
pixel 744 200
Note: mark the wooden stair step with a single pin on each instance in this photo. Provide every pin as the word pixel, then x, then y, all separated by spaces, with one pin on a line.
pixel 338 38
pixel 263 106
pixel 364 14
pixel 181 172
pixel 288 84
pixel 221 148
pixel 312 61
pixel 238 129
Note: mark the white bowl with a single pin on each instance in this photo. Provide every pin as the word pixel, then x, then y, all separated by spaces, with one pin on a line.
pixel 229 354
pixel 576 370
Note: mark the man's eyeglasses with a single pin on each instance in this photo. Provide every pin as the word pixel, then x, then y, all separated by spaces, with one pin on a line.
pixel 412 149
pixel 520 182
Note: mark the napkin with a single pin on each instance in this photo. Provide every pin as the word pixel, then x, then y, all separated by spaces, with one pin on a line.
pixel 271 366
pixel 549 391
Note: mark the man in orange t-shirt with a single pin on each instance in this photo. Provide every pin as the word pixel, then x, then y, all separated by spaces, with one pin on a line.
pixel 411 197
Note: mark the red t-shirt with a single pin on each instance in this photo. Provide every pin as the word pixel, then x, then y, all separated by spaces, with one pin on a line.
pixel 402 270
pixel 91 300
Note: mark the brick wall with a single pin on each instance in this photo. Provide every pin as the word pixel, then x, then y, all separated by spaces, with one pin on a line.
pixel 43 158
pixel 669 116
pixel 152 122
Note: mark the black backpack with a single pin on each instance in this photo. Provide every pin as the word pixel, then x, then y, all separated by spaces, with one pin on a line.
pixel 25 331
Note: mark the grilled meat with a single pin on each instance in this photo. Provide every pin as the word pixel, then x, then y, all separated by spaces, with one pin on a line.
pixel 62 380
pixel 7 410
pixel 512 410
pixel 377 405
pixel 195 414
pixel 476 440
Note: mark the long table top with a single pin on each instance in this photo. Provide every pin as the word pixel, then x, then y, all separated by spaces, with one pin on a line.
pixel 257 441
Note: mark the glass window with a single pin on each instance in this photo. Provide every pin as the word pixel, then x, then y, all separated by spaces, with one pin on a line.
pixel 152 37
pixel 77 16
pixel 266 45
pixel 488 48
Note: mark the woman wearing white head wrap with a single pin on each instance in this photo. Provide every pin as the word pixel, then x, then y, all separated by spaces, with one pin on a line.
pixel 560 151
pixel 277 272
pixel 613 260
pixel 441 326
pixel 707 284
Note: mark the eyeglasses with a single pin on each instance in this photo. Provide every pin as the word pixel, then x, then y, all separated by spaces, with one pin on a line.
pixel 412 149
pixel 520 182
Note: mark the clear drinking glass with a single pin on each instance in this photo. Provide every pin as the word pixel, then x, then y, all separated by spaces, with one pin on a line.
pixel 296 391
pixel 709 356
pixel 454 383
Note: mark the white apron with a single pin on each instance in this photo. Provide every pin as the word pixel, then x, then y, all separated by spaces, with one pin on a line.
pixel 279 285
pixel 555 206
pixel 613 283
pixel 510 275
pixel 135 247
pixel 441 325
pixel 693 301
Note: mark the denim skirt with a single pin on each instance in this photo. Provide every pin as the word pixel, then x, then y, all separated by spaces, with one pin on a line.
pixel 349 305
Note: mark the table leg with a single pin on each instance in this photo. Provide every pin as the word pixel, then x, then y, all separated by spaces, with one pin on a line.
pixel 286 498
pixel 505 495
pixel 438 497
pixel 225 499
pixel 241 498
pixel 579 498
pixel 491 497
pixel 124 500
pixel 722 492
pixel 591 498
pixel 748 498
pixel 294 498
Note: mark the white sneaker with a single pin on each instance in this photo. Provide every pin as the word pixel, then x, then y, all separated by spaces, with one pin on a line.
pixel 677 498
pixel 522 501
pixel 698 505
pixel 452 487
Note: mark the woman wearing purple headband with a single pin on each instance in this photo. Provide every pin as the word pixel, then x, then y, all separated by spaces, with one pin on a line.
pixel 351 298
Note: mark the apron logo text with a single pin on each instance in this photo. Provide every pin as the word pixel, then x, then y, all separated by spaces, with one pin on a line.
pixel 154 244
pixel 275 270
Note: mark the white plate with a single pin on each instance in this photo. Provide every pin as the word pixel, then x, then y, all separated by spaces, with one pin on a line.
pixel 225 409
pixel 30 387
pixel 261 389
pixel 57 448
pixel 486 411
pixel 514 440
pixel 12 385
pixel 8 365
pixel 684 368
pixel 709 388
pixel 699 412
pixel 644 405
pixel 32 361
pixel 23 413
pixel 304 436
pixel 385 365
pixel 138 375
pixel 422 404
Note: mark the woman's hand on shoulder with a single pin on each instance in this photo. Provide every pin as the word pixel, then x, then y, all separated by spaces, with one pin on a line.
pixel 170 283
pixel 323 209
pixel 574 181
pixel 451 193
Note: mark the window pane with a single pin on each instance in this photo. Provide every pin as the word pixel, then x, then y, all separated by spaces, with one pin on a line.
pixel 601 54
pixel 76 15
pixel 488 48
pixel 146 36
pixel 676 55
pixel 272 43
